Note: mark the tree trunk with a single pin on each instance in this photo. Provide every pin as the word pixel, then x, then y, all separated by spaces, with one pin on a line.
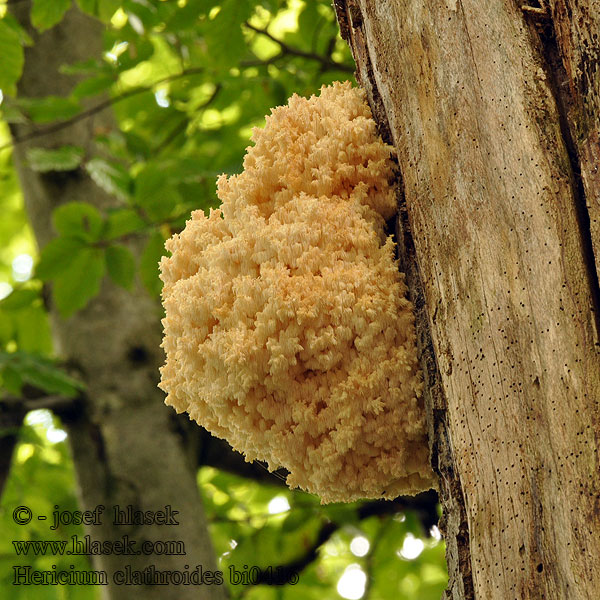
pixel 127 446
pixel 494 112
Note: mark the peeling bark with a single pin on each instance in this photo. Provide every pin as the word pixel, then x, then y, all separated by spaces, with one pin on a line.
pixel 127 446
pixel 494 112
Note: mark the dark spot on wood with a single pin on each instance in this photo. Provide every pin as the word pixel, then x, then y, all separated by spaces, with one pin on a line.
pixel 355 16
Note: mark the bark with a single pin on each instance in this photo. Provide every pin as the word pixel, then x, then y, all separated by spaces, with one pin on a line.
pixel 127 446
pixel 494 112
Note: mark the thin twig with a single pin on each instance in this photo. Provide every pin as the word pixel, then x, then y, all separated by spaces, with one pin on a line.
pixel 283 573
pixel 52 402
pixel 98 108
pixel 182 125
pixel 326 63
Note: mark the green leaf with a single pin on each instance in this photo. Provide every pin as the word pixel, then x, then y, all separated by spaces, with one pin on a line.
pixel 122 222
pixel 93 86
pixel 78 219
pixel 341 513
pixel 11 380
pixel 33 330
pixel 7 327
pixel 186 17
pixel 57 255
pixel 40 372
pixel 155 248
pixel 121 265
pixel 11 52
pixel 66 158
pixel 297 518
pixel 224 35
pixel 12 22
pixel 103 9
pixel 89 6
pixel 89 67
pixel 47 13
pixel 140 13
pixel 49 108
pixel 154 193
pixel 136 144
pixel 110 176
pixel 77 285
pixel 18 299
pixel 11 113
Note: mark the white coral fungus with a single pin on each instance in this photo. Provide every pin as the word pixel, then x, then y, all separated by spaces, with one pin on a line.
pixel 287 329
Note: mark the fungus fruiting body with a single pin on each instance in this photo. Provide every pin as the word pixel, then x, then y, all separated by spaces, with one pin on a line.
pixel 287 328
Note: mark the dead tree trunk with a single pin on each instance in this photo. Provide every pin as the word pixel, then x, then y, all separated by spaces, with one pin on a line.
pixel 494 111
pixel 126 444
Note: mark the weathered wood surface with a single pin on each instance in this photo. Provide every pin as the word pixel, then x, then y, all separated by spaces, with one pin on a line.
pixel 499 169
pixel 576 28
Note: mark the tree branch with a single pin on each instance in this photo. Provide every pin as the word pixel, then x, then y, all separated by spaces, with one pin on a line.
pixel 11 418
pixel 326 62
pixel 98 108
pixel 424 505
pixel 12 412
pixel 182 125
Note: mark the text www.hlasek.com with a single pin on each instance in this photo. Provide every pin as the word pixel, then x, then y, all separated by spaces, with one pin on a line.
pixel 86 546
pixel 125 546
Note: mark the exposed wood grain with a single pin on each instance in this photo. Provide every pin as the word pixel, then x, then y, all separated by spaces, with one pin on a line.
pixel 576 27
pixel 466 91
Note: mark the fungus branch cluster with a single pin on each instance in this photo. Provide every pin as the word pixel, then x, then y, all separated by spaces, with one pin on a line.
pixel 287 328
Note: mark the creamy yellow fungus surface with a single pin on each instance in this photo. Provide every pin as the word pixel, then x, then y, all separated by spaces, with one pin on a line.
pixel 287 329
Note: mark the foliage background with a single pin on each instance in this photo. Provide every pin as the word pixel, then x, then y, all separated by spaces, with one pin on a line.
pixel 187 80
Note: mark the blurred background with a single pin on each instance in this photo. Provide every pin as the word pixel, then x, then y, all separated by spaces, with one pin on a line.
pixel 184 83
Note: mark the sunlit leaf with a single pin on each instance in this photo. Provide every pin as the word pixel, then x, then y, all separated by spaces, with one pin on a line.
pixel 187 16
pixel 18 299
pixel 11 52
pixel 224 37
pixel 32 332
